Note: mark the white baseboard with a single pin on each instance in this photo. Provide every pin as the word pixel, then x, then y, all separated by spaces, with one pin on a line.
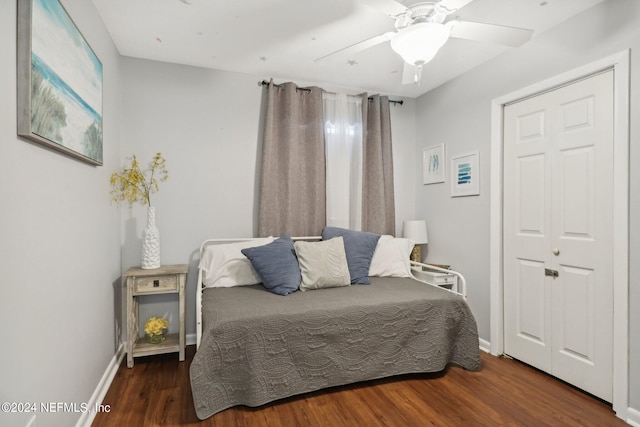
pixel 86 418
pixel 485 345
pixel 633 417
pixel 190 339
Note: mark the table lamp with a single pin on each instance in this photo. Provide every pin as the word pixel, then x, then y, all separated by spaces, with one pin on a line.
pixel 417 232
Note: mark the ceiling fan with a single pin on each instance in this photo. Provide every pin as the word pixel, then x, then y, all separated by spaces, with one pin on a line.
pixel 421 30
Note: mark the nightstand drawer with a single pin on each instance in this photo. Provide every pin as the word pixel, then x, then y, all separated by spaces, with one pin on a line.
pixel 150 285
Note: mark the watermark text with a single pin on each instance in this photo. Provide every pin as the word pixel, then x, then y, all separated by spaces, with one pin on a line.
pixel 53 407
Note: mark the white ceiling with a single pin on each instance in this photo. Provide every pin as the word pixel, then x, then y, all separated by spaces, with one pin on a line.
pixel 283 38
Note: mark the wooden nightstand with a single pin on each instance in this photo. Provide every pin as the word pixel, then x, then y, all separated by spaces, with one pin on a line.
pixel 445 280
pixel 168 279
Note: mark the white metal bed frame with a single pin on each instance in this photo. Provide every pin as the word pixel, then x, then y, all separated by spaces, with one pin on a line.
pixel 461 288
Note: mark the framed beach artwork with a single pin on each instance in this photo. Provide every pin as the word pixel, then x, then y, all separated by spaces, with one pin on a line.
pixel 433 165
pixel 59 82
pixel 465 175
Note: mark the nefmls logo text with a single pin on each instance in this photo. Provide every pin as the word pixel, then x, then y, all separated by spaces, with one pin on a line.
pixel 52 407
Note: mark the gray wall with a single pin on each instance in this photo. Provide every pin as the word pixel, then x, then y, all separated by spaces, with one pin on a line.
pixel 459 114
pixel 63 245
pixel 59 246
pixel 206 124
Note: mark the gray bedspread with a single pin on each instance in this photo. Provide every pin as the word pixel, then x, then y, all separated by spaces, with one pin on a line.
pixel 258 347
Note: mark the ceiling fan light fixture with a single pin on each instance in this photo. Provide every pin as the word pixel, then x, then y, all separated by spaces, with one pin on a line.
pixel 419 43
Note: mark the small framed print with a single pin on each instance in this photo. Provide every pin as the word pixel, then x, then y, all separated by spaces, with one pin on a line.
pixel 433 162
pixel 465 175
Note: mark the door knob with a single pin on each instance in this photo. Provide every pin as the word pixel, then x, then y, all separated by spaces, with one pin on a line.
pixel 556 251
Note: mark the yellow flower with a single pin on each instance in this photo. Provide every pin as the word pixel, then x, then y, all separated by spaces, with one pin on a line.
pixel 155 326
pixel 134 185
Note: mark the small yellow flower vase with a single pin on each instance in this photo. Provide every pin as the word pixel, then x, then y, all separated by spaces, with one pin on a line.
pixel 156 338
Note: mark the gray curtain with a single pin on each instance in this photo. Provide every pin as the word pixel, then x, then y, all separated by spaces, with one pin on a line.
pixel 378 202
pixel 292 176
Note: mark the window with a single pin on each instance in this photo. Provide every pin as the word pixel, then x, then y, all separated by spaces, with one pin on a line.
pixel 343 150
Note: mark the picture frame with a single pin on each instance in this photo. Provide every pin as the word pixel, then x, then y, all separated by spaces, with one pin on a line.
pixel 433 165
pixel 465 175
pixel 59 82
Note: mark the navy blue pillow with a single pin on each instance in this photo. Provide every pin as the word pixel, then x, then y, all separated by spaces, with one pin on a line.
pixel 277 265
pixel 359 247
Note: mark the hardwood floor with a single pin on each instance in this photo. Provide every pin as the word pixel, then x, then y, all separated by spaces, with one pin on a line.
pixel 156 392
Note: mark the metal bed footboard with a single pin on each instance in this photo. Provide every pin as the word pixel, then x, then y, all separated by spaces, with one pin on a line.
pixel 462 283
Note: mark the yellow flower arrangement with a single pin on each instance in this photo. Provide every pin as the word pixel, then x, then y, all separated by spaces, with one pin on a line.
pixel 155 329
pixel 135 185
pixel 156 326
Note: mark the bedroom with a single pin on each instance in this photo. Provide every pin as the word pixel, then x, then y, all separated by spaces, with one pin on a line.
pixel 64 245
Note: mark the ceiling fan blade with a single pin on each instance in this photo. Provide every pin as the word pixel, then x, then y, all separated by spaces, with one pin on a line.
pixel 453 5
pixel 360 46
pixel 490 33
pixel 388 7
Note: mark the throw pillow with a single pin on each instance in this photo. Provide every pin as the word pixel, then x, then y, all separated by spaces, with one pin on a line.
pixel 224 266
pixel 277 265
pixel 359 247
pixel 391 257
pixel 322 264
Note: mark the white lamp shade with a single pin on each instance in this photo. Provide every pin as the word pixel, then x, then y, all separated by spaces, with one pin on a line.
pixel 418 43
pixel 415 231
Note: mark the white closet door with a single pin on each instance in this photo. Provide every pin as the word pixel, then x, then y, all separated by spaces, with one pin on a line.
pixel 558 223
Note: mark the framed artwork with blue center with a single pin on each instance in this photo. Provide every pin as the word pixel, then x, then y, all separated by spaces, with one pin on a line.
pixel 59 82
pixel 433 162
pixel 465 175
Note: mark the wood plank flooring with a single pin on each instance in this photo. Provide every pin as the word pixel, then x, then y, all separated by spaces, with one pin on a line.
pixel 156 392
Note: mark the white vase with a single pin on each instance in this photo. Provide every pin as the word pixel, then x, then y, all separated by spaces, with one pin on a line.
pixel 151 242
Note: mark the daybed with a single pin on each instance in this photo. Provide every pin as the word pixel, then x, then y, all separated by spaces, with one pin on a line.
pixel 256 346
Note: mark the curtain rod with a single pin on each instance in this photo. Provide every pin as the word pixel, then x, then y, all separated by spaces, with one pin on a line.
pixel 266 83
